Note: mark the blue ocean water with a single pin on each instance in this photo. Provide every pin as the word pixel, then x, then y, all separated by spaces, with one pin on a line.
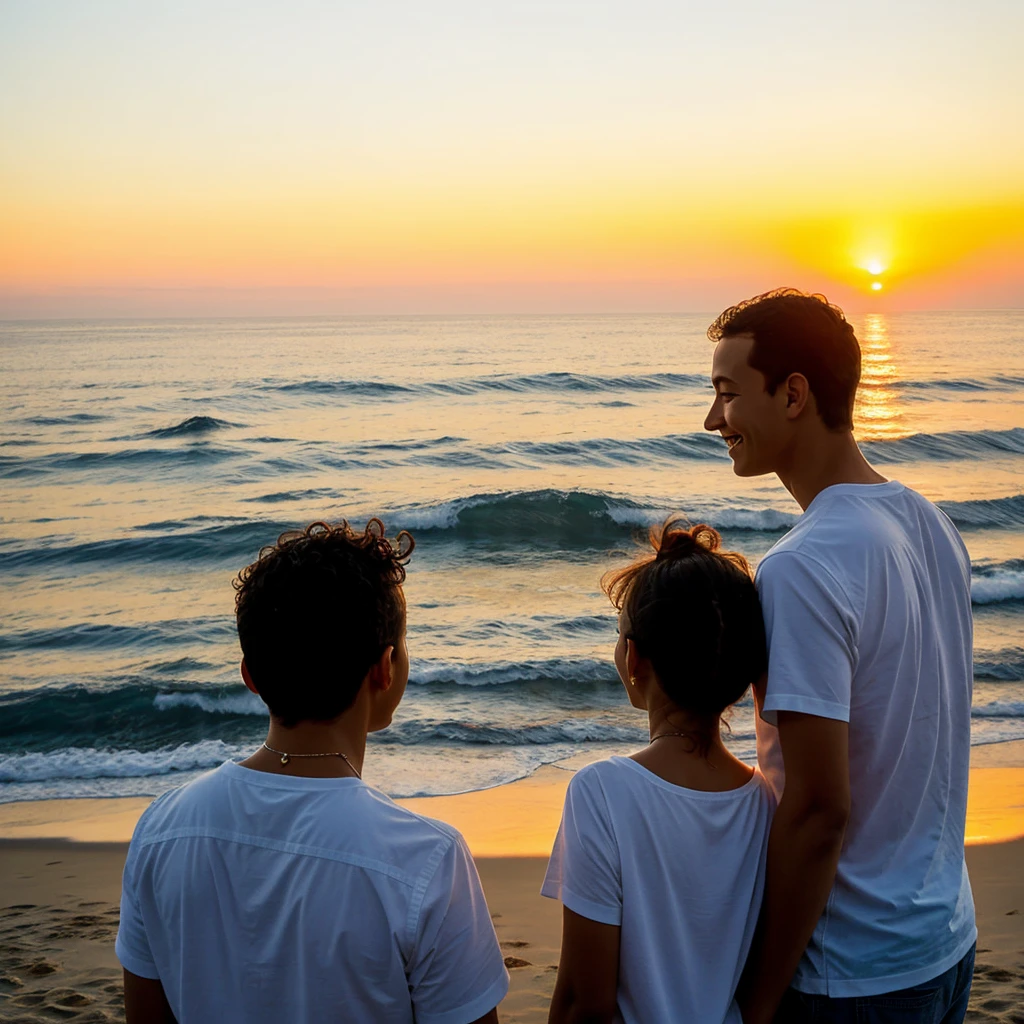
pixel 143 463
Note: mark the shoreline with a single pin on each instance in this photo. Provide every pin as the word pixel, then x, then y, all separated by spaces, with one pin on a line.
pixel 517 819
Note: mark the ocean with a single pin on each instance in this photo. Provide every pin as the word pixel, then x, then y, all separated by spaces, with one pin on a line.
pixel 144 463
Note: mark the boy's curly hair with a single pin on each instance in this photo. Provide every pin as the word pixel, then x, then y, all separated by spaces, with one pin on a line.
pixel 692 609
pixel 315 611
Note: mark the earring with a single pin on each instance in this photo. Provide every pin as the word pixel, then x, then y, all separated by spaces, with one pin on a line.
pixel 632 680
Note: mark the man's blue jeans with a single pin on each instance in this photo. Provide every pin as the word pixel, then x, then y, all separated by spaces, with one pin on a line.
pixel 943 1000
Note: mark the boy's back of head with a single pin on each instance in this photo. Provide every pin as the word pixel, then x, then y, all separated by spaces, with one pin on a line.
pixel 315 611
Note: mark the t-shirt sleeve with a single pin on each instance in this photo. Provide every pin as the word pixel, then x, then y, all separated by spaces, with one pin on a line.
pixel 456 970
pixel 132 945
pixel 584 871
pixel 812 638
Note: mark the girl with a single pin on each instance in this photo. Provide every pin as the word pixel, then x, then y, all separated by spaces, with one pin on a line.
pixel 659 859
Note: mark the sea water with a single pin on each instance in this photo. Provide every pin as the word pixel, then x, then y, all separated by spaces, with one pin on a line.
pixel 142 464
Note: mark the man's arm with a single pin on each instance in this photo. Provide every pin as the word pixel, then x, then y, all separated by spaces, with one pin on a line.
pixel 145 1001
pixel 803 853
pixel 588 972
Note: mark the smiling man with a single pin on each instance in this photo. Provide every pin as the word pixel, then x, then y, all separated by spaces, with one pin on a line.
pixel 864 721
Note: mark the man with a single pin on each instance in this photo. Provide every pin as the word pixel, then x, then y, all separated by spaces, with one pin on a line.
pixel 864 722
pixel 284 888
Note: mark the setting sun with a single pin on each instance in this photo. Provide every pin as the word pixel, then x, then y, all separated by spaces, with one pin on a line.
pixel 874 267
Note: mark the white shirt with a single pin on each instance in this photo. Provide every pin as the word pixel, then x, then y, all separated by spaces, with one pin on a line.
pixel 867 607
pixel 681 871
pixel 257 897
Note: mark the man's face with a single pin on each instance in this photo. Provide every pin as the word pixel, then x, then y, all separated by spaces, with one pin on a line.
pixel 753 422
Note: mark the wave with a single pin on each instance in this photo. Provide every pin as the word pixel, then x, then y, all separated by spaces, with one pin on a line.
pixel 958 444
pixel 558 383
pixel 542 519
pixel 190 427
pixel 13 467
pixel 63 421
pixel 206 539
pixel 1003 513
pixel 994 583
pixel 93 763
pixel 107 636
pixel 998 382
pixel 1005 666
pixel 551 670
pixel 999 709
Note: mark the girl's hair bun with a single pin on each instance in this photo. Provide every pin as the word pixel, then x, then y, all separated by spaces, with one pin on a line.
pixel 674 538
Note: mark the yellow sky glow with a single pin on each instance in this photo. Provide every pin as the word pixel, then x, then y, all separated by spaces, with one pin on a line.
pixel 516 149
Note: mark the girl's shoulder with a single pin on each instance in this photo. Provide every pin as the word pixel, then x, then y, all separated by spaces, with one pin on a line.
pixel 617 776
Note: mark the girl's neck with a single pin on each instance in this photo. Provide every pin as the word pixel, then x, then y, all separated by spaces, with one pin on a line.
pixel 690 753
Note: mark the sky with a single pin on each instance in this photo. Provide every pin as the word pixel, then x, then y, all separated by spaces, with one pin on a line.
pixel 220 158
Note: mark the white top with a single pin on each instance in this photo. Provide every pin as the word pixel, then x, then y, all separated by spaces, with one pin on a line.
pixel 680 870
pixel 867 606
pixel 257 897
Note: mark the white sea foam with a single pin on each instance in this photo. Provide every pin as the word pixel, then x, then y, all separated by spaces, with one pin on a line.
pixel 241 703
pixel 1001 585
pixel 89 763
pixel 496 673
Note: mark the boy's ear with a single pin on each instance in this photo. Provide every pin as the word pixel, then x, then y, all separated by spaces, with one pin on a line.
pixel 797 392
pixel 382 670
pixel 247 678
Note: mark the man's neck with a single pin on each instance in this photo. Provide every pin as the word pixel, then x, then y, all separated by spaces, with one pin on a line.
pixel 823 459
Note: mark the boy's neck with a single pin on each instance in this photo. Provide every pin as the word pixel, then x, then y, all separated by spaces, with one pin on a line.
pixel 824 458
pixel 287 751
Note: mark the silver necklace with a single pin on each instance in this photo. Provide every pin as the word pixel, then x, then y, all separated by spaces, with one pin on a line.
pixel 285 758
pixel 663 735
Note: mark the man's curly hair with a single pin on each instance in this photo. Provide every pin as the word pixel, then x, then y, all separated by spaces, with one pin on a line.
pixel 315 611
pixel 799 333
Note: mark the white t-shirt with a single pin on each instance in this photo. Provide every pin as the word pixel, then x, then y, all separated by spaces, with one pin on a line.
pixel 257 897
pixel 867 607
pixel 681 871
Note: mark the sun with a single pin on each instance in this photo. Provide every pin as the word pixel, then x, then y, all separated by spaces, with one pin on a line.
pixel 874 266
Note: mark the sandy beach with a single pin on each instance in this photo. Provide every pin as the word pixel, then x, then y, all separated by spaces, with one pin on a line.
pixel 60 868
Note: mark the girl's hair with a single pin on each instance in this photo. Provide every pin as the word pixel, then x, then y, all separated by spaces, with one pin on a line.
pixel 692 609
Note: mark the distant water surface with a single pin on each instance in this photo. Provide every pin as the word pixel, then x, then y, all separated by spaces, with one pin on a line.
pixel 143 463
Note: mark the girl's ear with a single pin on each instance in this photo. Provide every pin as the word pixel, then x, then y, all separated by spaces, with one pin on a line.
pixel 632 659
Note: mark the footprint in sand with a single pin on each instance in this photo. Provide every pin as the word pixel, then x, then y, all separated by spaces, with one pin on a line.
pixel 512 962
pixel 42 967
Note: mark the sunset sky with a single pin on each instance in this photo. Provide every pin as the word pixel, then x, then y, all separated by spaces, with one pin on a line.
pixel 317 157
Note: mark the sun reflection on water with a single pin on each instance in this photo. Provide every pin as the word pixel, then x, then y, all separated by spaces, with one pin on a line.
pixel 877 414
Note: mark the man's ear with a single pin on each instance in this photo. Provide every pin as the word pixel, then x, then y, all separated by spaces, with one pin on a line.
pixel 247 678
pixel 798 393
pixel 382 671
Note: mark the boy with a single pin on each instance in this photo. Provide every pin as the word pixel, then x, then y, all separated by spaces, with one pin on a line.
pixel 867 607
pixel 284 888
